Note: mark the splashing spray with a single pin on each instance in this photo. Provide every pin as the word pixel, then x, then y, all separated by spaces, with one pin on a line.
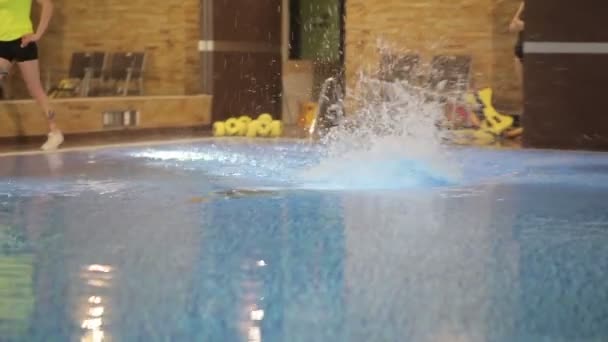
pixel 393 138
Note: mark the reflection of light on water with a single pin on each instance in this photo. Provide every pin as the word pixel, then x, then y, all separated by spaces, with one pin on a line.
pixel 253 313
pixel 191 156
pixel 100 268
pixel 171 155
pixel 98 283
pixel 92 324
pixel 257 315
pixel 96 311
pixel 255 334
pixel 93 336
pixel 95 300
pixel 96 276
pixel 97 336
pixel 94 329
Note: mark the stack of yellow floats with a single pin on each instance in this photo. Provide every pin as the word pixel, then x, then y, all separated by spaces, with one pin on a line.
pixel 263 126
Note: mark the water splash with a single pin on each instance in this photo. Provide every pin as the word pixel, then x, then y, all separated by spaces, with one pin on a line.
pixel 393 140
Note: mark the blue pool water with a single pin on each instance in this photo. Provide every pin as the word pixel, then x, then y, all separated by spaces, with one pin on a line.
pixel 232 241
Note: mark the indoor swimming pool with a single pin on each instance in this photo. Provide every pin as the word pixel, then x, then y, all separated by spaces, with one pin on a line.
pixel 229 240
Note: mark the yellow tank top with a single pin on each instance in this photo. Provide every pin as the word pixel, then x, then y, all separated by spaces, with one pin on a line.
pixel 15 19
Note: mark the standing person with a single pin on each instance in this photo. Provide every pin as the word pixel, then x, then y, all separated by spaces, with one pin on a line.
pixel 518 25
pixel 18 45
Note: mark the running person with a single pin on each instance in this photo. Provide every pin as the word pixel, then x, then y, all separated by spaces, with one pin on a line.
pixel 18 45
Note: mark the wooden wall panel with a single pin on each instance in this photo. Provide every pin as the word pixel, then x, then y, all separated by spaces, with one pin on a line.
pixel 564 102
pixel 565 85
pixel 242 57
pixel 567 21
pixel 23 118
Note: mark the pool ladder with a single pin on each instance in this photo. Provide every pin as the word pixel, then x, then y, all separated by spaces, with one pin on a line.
pixel 330 108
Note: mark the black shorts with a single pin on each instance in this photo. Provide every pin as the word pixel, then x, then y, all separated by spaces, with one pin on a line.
pixel 519 52
pixel 519 49
pixel 13 52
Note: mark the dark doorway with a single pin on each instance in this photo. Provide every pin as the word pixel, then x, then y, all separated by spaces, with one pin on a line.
pixel 566 68
pixel 241 56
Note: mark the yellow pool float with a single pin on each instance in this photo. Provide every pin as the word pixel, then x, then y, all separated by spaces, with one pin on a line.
pixel 219 129
pixel 276 128
pixel 233 126
pixel 265 117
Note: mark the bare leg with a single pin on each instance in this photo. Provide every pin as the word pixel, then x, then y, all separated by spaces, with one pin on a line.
pixel 31 75
pixel 519 69
pixel 5 66
pixel 520 79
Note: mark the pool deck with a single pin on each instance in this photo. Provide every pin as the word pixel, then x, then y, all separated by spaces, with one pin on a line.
pixel 83 141
pixel 96 140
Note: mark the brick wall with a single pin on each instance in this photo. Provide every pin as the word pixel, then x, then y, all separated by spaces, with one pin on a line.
pixel 167 30
pixel 478 28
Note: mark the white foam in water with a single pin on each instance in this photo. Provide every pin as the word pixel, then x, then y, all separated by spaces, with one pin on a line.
pixel 392 141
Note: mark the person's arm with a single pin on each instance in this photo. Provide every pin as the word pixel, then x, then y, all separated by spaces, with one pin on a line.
pixel 516 23
pixel 43 22
pixel 45 17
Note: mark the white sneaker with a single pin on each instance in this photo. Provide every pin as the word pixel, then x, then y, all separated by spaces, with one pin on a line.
pixel 54 140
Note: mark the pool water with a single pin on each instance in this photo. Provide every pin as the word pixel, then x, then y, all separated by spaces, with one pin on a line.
pixel 223 240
